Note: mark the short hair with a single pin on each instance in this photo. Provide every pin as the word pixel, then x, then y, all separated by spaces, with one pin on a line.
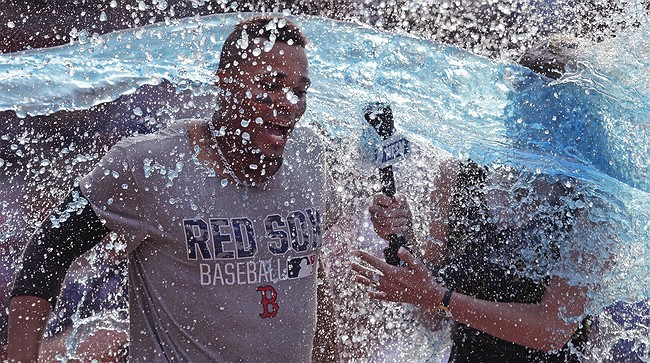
pixel 274 28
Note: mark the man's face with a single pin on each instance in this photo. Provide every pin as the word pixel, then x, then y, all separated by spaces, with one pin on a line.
pixel 263 98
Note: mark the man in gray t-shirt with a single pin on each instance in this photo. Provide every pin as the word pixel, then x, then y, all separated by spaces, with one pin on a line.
pixel 223 219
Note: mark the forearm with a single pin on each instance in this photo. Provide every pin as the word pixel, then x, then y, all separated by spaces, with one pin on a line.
pixel 545 326
pixel 50 347
pixel 93 343
pixel 27 321
pixel 70 231
pixel 524 324
pixel 66 235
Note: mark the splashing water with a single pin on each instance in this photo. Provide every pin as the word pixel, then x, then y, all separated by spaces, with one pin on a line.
pixel 589 128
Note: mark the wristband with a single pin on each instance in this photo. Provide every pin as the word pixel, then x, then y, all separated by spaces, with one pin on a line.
pixel 443 307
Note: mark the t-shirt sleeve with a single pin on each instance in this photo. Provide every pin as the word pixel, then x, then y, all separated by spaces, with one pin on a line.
pixel 115 196
pixel 70 231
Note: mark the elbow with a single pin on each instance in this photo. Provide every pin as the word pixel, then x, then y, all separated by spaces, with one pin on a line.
pixel 552 346
pixel 555 341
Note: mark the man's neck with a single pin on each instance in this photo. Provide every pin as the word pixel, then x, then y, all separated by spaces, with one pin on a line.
pixel 243 166
pixel 247 166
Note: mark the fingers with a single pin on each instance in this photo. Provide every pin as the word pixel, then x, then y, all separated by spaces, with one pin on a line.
pixel 362 279
pixel 396 201
pixel 410 260
pixel 378 295
pixel 390 215
pixel 373 261
pixel 388 222
pixel 390 206
pixel 363 271
pixel 377 273
pixel 411 284
pixel 384 214
pixel 371 279
pixel 376 283
pixel 383 200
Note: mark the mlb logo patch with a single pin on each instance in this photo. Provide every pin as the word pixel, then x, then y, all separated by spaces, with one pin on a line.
pixel 298 267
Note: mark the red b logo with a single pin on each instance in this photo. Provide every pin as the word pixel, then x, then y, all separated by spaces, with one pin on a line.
pixel 269 305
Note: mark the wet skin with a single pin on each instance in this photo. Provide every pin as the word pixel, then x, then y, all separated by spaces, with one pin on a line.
pixel 264 97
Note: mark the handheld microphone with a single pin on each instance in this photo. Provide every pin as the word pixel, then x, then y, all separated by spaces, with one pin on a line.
pixel 380 117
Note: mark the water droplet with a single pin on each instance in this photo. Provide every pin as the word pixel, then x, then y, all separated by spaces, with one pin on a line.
pixel 244 123
pixel 268 44
pixel 221 131
pixel 242 43
pixel 102 16
pixel 147 167
pixel 162 5
pixel 292 97
pixel 11 24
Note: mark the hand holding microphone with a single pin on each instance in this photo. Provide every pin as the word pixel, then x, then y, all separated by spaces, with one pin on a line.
pixel 391 216
pixel 389 211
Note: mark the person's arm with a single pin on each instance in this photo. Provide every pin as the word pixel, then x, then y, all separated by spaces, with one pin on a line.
pixel 392 215
pixel 27 320
pixel 104 342
pixel 545 326
pixel 67 234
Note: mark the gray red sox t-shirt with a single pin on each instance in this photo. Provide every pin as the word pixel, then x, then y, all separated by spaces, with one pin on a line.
pixel 217 271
